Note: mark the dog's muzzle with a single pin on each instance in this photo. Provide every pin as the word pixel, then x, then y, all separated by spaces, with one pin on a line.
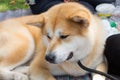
pixel 52 58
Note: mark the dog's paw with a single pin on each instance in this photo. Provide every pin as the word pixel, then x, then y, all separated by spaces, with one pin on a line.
pixel 20 76
pixel 98 77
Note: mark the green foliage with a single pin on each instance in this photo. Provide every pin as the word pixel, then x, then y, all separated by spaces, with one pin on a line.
pixel 12 5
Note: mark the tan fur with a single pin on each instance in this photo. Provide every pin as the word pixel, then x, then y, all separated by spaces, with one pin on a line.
pixel 18 35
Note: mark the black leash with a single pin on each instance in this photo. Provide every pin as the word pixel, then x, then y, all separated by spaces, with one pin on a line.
pixel 97 72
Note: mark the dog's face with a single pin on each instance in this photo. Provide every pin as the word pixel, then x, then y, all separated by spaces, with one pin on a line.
pixel 66 33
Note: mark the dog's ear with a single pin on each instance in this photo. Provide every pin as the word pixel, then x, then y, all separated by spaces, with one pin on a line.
pixel 81 17
pixel 34 20
pixel 37 20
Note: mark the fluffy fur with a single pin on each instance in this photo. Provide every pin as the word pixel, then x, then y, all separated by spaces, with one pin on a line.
pixel 66 33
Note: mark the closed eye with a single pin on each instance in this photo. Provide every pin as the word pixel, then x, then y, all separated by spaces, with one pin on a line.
pixel 48 37
pixel 64 36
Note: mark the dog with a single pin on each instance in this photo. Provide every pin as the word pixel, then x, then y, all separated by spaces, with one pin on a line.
pixel 36 47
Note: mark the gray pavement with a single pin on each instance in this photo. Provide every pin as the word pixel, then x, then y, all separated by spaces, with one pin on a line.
pixel 15 13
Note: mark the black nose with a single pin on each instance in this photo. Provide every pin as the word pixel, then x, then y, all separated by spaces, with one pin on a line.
pixel 50 58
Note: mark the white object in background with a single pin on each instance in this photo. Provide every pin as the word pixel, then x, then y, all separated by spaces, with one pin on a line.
pixel 109 29
pixel 105 9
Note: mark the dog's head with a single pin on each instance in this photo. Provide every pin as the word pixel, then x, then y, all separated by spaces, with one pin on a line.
pixel 66 32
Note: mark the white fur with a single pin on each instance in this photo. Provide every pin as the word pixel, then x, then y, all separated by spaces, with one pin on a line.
pixel 56 70
pixel 98 77
pixel 10 75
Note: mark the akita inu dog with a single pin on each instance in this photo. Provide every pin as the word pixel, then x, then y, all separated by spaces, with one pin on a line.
pixel 66 33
